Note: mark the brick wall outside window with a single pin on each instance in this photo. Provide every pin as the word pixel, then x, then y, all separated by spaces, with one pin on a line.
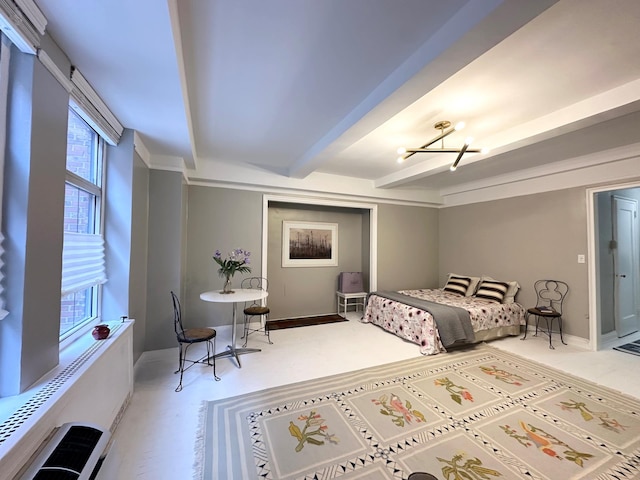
pixel 79 209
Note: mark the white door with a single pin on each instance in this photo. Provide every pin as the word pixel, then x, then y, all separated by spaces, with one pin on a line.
pixel 625 258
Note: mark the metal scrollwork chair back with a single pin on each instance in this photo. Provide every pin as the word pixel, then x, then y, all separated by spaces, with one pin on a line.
pixel 189 336
pixel 550 296
pixel 256 308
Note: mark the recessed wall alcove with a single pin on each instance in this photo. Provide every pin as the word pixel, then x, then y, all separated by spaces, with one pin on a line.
pixel 310 291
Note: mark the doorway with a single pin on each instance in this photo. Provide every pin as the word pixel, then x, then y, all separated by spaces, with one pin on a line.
pixel 625 261
pixel 614 286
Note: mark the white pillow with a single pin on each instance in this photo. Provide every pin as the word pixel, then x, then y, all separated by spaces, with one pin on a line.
pixel 473 283
pixel 510 296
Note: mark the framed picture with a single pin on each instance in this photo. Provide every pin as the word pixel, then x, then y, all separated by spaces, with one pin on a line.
pixel 309 244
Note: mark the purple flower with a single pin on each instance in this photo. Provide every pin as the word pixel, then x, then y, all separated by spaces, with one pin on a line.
pixel 236 262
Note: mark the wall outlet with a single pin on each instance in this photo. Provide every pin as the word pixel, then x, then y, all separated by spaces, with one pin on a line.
pixel 581 259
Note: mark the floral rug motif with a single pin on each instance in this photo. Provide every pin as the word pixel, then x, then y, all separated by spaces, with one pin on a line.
pixel 476 414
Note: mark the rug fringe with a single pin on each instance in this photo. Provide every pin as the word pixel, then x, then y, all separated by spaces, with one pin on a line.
pixel 198 461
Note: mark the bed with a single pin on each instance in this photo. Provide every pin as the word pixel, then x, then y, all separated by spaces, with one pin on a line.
pixel 488 304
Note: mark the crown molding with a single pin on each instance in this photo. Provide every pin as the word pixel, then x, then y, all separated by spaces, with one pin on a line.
pixel 18 27
pixel 34 14
pixel 141 148
pixel 58 74
pixel 608 166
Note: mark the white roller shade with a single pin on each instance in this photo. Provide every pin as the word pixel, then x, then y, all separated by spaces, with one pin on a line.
pixel 18 25
pixel 82 262
pixel 88 104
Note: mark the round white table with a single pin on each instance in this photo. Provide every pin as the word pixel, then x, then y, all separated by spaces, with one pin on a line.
pixel 239 295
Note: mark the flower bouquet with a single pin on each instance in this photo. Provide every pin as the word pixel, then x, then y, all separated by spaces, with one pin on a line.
pixel 237 261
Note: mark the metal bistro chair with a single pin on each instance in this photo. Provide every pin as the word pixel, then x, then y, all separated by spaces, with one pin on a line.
pixel 188 337
pixel 255 308
pixel 551 295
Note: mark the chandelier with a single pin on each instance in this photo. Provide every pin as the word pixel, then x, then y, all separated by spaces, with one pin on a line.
pixel 445 130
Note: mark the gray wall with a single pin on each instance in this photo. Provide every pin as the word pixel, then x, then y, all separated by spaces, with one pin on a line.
pixel 33 220
pixel 218 219
pixel 165 250
pixel 523 239
pixel 309 291
pixel 606 278
pixel 224 219
pixel 139 251
pixel 407 247
pixel 117 228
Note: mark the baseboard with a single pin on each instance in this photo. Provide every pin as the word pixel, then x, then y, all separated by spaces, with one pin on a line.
pixel 571 340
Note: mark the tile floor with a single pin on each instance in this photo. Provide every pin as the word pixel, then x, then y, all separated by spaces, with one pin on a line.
pixel 157 436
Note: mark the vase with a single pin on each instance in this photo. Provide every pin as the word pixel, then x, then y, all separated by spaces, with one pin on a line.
pixel 227 288
pixel 100 332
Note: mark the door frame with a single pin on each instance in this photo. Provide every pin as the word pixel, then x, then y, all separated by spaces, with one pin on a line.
pixel 595 322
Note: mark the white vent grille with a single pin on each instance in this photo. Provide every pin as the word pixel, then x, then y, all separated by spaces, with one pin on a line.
pixel 22 414
pixel 74 452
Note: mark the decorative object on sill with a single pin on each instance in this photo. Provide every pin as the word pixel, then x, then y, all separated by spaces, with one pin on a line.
pixel 445 130
pixel 236 261
pixel 100 332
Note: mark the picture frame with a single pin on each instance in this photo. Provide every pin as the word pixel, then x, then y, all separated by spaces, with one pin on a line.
pixel 309 244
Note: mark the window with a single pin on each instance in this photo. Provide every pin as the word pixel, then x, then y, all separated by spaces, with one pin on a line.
pixel 83 251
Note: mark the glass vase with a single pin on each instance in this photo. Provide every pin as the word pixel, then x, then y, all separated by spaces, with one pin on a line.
pixel 227 288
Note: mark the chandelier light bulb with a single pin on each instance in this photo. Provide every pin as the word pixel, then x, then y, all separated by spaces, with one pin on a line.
pixel 401 151
pixel 453 168
pixel 459 126
pixel 485 150
pixel 400 160
pixel 468 141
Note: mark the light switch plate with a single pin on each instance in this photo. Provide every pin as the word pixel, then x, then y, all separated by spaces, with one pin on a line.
pixel 581 259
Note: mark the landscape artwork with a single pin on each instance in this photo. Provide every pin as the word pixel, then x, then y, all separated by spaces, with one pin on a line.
pixel 309 244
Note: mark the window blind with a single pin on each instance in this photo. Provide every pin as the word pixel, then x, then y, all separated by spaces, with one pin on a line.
pixel 19 25
pixel 87 103
pixel 82 262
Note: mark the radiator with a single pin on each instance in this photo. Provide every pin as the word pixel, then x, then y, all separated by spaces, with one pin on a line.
pixel 91 386
pixel 75 451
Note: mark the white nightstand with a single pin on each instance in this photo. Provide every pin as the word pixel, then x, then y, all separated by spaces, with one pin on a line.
pixel 346 300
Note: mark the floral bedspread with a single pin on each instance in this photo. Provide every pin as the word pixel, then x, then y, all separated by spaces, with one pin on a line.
pixel 418 326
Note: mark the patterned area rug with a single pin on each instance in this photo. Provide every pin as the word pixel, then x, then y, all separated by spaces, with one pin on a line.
pixel 633 347
pixel 474 414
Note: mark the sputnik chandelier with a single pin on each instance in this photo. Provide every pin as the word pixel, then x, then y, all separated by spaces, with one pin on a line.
pixel 445 130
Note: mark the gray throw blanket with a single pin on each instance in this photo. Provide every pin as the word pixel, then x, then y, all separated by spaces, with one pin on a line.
pixel 454 324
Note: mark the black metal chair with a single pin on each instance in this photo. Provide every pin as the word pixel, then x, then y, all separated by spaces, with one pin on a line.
pixel 188 337
pixel 550 297
pixel 255 308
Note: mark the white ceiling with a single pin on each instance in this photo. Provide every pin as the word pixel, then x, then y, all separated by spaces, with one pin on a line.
pixel 288 92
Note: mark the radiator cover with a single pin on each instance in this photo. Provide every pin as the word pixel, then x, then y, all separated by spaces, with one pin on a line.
pixel 75 452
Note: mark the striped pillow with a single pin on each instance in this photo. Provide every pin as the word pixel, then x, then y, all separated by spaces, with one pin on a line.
pixel 457 285
pixel 492 291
